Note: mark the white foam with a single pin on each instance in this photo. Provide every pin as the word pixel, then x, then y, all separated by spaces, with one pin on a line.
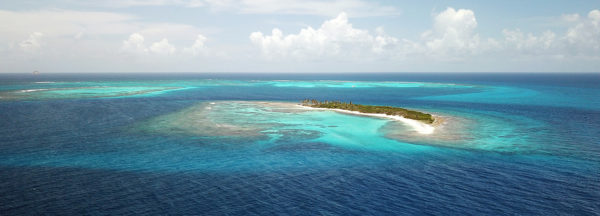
pixel 45 82
pixel 418 126
pixel 31 90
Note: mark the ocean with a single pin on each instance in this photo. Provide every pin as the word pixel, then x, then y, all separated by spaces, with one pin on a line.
pixel 235 144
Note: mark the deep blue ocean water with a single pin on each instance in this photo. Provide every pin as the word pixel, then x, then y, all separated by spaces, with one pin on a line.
pixel 71 144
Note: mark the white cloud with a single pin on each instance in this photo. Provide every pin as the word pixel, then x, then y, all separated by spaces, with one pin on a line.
pixel 87 38
pixel 33 43
pixel 54 23
pixel 581 39
pixel 584 37
pixel 335 38
pixel 453 34
pixel 452 37
pixel 59 24
pixel 162 47
pixel 198 47
pixel 529 43
pixel 135 44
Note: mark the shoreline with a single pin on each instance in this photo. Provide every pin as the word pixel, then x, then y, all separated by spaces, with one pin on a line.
pixel 418 126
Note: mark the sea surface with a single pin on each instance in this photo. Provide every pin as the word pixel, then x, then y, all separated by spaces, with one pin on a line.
pixel 237 144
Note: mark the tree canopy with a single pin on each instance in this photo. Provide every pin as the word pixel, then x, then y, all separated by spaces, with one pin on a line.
pixel 389 110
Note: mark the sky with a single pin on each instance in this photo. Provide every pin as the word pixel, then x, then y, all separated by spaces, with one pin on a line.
pixel 299 36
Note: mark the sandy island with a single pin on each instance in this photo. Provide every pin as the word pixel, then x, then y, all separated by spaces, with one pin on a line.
pixel 418 126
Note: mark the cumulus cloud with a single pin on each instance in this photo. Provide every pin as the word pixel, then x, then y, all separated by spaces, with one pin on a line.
pixel 581 39
pixel 198 47
pixel 529 43
pixel 453 33
pixel 334 38
pixel 162 47
pixel 134 44
pixel 33 43
pixel 453 37
pixel 584 37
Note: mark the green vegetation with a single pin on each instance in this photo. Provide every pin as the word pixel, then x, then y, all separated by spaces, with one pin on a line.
pixel 410 114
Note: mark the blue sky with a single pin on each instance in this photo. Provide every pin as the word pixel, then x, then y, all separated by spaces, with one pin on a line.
pixel 299 36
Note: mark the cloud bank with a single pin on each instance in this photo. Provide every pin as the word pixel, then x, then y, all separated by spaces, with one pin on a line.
pixel 359 8
pixel 453 37
pixel 335 38
pixel 106 41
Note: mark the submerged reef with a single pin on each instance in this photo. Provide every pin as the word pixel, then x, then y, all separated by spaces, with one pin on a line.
pixel 48 93
pixel 272 122
pixel 285 122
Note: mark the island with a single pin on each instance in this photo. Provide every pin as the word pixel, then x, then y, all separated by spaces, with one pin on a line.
pixel 387 110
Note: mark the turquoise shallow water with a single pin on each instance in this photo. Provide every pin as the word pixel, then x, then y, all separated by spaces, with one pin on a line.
pixel 226 144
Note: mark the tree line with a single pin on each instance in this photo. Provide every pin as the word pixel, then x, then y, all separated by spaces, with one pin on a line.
pixel 389 110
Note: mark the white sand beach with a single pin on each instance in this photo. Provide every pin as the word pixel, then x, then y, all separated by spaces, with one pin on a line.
pixel 418 126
